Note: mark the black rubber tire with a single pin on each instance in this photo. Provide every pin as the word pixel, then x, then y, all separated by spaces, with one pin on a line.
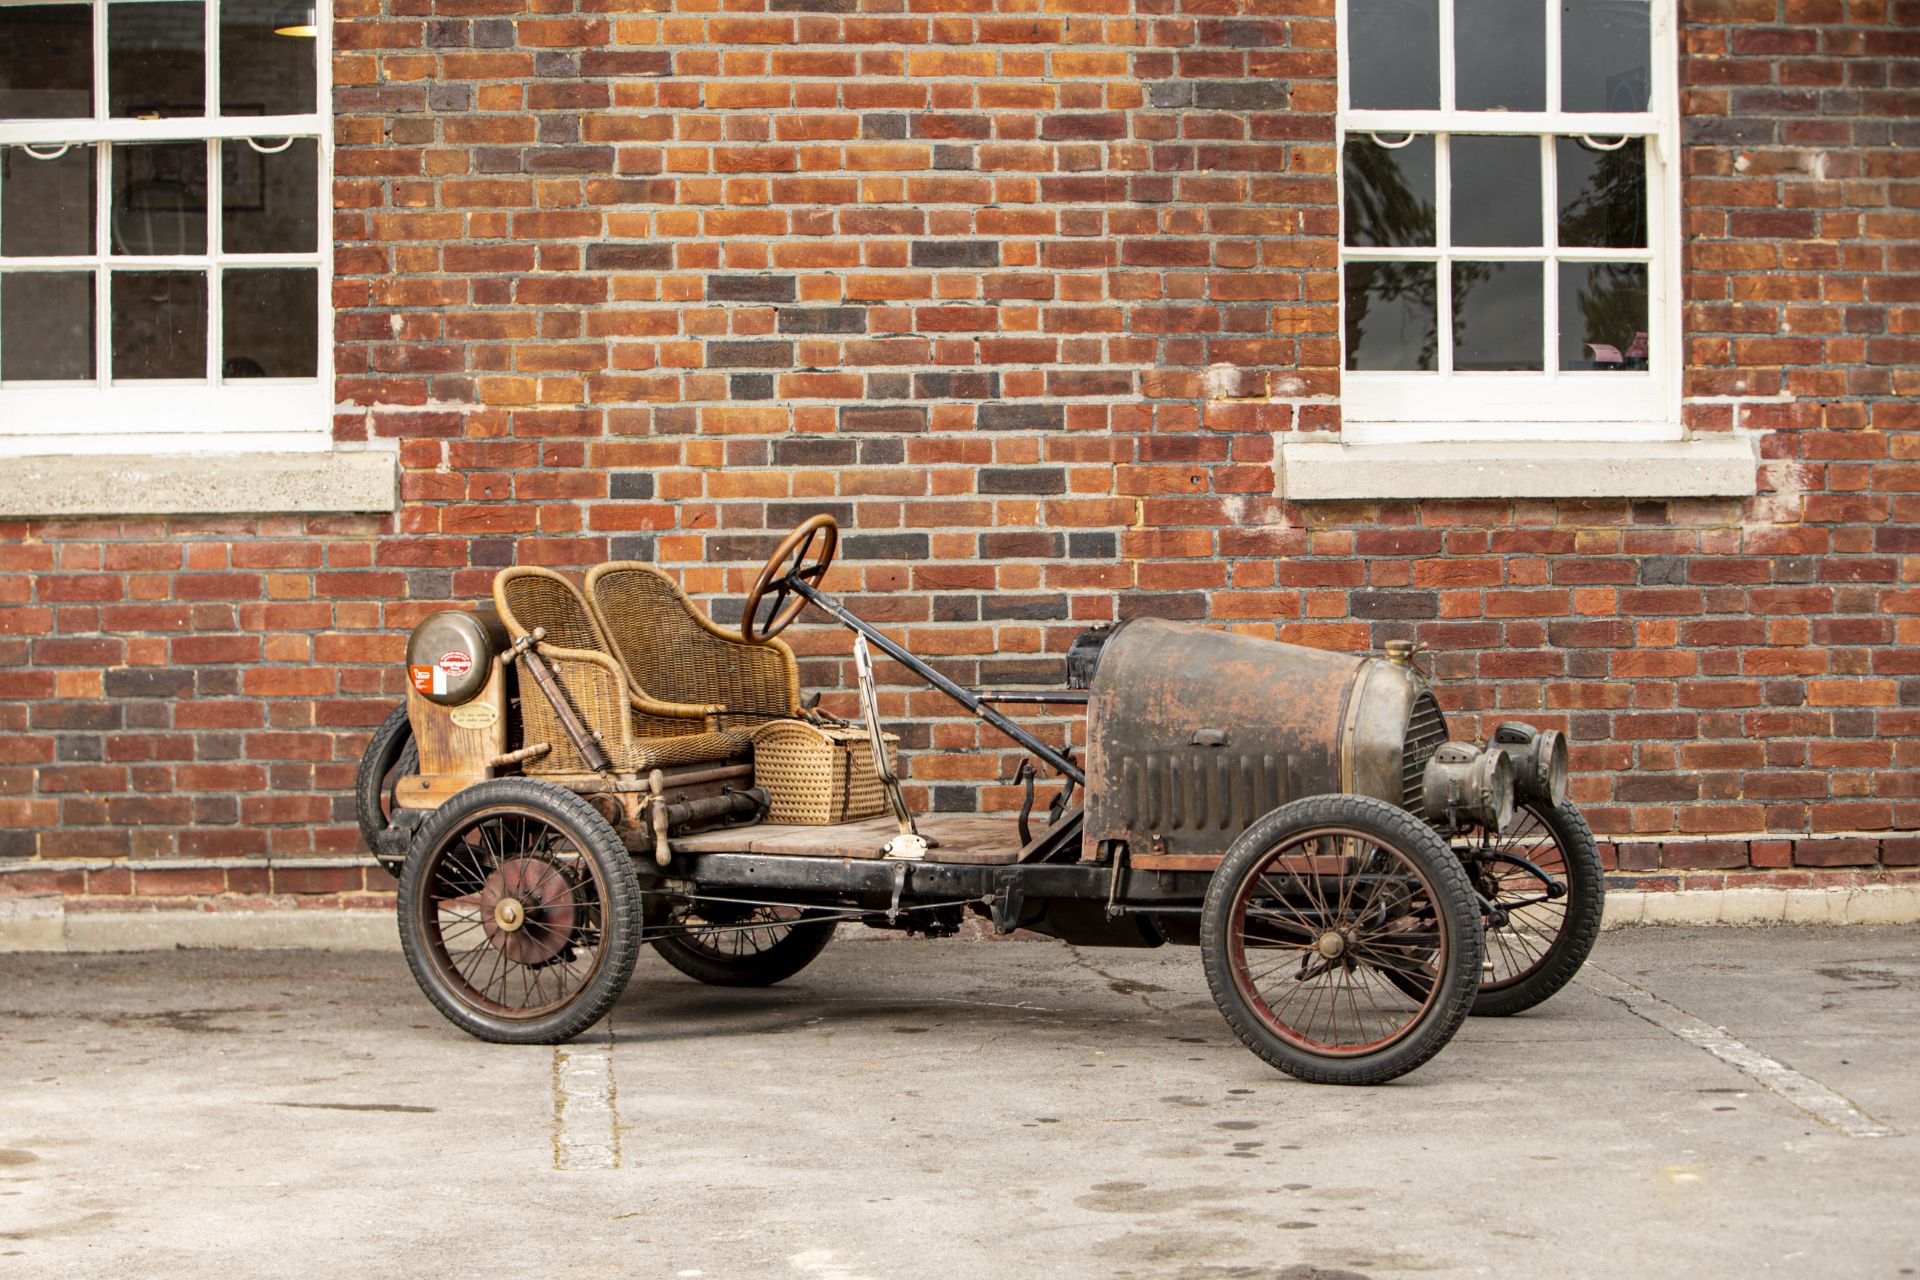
pixel 391 755
pixel 1456 913
pixel 804 942
pixel 1586 902
pixel 619 908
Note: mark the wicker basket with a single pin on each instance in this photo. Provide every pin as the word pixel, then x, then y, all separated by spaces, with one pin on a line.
pixel 818 775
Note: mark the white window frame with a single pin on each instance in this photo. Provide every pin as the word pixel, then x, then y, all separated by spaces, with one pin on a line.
pixel 279 415
pixel 1385 407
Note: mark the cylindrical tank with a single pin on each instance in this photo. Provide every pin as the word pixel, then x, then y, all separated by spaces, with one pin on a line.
pixel 450 654
pixel 1192 733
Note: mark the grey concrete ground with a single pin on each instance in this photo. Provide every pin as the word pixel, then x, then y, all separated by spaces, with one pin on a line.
pixel 958 1109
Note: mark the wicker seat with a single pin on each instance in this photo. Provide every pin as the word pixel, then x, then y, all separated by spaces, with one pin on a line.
pixel 638 732
pixel 673 651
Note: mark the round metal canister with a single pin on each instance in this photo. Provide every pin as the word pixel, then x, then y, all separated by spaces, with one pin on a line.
pixel 450 655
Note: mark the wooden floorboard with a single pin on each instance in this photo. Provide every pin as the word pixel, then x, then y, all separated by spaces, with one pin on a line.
pixel 965 839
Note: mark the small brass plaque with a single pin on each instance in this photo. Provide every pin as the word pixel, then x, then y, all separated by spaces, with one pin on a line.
pixel 475 715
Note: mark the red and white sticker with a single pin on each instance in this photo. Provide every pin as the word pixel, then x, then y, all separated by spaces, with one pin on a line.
pixel 435 679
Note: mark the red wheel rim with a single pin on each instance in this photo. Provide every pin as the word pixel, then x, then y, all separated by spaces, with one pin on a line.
pixel 523 961
pixel 1323 935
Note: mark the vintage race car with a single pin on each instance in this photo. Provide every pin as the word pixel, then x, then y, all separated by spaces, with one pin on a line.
pixel 579 771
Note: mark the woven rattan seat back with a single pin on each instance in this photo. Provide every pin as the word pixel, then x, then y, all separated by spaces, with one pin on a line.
pixel 529 597
pixel 672 651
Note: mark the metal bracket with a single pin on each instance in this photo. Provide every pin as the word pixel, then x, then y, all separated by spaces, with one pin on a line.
pixel 899 888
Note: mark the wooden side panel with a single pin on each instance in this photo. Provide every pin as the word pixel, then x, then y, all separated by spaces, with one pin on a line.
pixel 450 748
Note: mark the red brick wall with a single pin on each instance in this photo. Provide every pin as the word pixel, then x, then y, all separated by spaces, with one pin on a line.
pixel 1024 299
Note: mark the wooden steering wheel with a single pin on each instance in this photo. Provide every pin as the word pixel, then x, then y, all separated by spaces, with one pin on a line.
pixel 794 547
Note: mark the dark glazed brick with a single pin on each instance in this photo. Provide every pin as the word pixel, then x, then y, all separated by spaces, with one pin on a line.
pixel 749 355
pixel 884 546
pixel 997 608
pixel 882 451
pixel 960 384
pixel 149 682
pixel 630 486
pixel 1393 604
pixel 1092 546
pixel 1240 95
pixel 823 319
pixel 877 128
pixel 815 451
pixel 637 547
pixel 1170 93
pixel 892 418
pixel 956 253
pixel 1022 480
pixel 750 288
pixel 1662 571
pixel 1021 417
pixel 750 386
pixel 629 257
pixel 785 515
pixel 1186 606
pixel 956 608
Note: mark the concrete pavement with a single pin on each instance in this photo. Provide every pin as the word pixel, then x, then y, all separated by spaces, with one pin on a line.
pixel 959 1109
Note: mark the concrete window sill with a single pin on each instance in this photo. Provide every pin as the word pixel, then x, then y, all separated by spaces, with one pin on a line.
pixel 1321 469
pixel 324 482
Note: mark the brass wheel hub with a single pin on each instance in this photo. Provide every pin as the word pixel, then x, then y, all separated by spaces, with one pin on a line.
pixel 529 910
pixel 1332 944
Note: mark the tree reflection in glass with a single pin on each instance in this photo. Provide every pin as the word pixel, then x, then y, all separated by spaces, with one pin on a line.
pixel 1603 316
pixel 1391 320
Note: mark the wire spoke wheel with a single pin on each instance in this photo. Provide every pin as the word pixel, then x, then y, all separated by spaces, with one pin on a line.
pixel 1543 872
pixel 517 912
pixel 733 944
pixel 1340 940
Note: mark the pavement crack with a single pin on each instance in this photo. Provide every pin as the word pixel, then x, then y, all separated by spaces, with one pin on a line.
pixel 1122 986
pixel 1826 1105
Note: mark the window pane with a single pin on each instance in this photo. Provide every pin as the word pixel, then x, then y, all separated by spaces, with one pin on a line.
pixel 1390 315
pixel 160 198
pixel 1393 53
pixel 269 323
pixel 269 203
pixel 159 324
pixel 261 73
pixel 1389 191
pixel 1500 55
pixel 1603 194
pixel 46 325
pixel 1497 315
pixel 46 61
pixel 156 59
pixel 1496 191
pixel 46 206
pixel 1605 55
pixel 1603 316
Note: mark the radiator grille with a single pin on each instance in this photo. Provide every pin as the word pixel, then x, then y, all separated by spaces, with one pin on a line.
pixel 1426 731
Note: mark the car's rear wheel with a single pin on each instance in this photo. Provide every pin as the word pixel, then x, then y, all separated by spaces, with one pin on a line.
pixel 737 944
pixel 391 756
pixel 1545 937
pixel 1310 909
pixel 519 912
